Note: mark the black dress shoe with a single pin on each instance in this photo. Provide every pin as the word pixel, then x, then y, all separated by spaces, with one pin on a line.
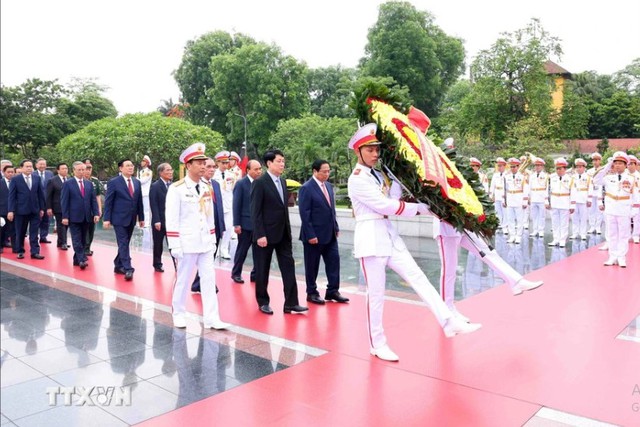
pixel 159 269
pixel 63 247
pixel 20 255
pixel 295 309
pixel 119 271
pixel 37 256
pixel 88 253
pixel 253 279
pixel 335 296
pixel 83 265
pixel 7 244
pixel 75 263
pixel 237 279
pixel 314 298
pixel 266 309
pixel 45 241
pixel 128 275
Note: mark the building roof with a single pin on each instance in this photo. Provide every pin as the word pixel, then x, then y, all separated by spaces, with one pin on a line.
pixel 552 68
pixel 589 145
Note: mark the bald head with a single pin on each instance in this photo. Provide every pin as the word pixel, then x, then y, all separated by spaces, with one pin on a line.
pixel 254 169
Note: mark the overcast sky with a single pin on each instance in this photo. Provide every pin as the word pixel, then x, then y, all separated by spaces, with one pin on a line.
pixel 133 46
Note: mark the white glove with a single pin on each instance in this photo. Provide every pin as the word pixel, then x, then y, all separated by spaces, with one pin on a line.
pixel 2 222
pixel 177 253
pixel 423 209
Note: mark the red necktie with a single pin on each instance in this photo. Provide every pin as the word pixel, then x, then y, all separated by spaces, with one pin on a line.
pixel 130 186
pixel 82 188
pixel 326 193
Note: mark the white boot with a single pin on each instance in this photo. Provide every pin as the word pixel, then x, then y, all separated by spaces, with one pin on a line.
pixel 611 261
pixel 459 315
pixel 604 247
pixel 455 326
pixel 385 353
pixel 217 324
pixel 622 262
pixel 525 285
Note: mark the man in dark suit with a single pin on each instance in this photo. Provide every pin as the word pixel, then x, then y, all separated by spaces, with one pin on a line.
pixel 8 232
pixel 99 192
pixel 319 233
pixel 79 210
pixel 54 208
pixel 218 214
pixel 122 206
pixel 45 175
pixel 157 197
pixel 242 220
pixel 26 207
pixel 272 231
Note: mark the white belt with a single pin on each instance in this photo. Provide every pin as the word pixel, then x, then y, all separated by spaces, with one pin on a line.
pixel 370 216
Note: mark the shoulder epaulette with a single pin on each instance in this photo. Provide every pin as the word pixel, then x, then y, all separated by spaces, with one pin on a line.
pixel 178 183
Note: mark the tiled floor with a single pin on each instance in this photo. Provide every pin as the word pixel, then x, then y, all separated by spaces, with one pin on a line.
pixel 58 332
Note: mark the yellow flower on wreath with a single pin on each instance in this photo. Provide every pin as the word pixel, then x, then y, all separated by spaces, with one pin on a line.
pixel 397 124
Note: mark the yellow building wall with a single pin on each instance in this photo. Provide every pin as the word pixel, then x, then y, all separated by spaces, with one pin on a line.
pixel 558 92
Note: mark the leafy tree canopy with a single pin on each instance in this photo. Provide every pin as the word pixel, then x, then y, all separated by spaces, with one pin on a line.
pixel 330 91
pixel 407 45
pixel 106 141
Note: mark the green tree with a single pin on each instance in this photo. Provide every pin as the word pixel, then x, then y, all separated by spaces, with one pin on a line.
pixel 575 115
pixel 628 79
pixel 30 116
pixel 195 81
pixel 312 137
pixel 330 91
pixel 407 45
pixel 108 140
pixel 616 117
pixel 258 83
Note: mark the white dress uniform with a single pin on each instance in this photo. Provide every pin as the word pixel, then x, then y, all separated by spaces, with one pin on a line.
pixel 496 191
pixel 620 197
pixel 227 181
pixel 145 176
pixel 378 245
pixel 516 198
pixel 449 239
pixel 526 213
pixel 191 231
pixel 538 192
pixel 597 198
pixel 559 200
pixel 581 194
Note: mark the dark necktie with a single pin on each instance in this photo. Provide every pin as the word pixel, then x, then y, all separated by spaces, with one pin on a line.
pixel 130 186
pixel 223 175
pixel 375 175
pixel 538 175
pixel 168 183
pixel 619 177
pixel 198 188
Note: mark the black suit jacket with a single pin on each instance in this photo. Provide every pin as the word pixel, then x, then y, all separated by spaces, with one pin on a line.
pixel 269 214
pixel 119 207
pixel 157 198
pixel 242 204
pixel 54 192
pixel 4 197
pixel 23 201
pixel 218 216
pixel 317 216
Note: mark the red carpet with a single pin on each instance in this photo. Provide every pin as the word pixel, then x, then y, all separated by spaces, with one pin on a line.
pixel 552 347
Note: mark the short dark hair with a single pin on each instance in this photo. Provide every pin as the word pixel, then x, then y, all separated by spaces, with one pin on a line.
pixel 7 167
pixel 317 164
pixel 121 162
pixel 60 165
pixel 25 161
pixel 87 160
pixel 270 155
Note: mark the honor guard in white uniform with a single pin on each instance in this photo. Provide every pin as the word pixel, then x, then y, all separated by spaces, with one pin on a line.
pixel 227 181
pixel 559 201
pixel 516 200
pixel 581 195
pixel 632 168
pixel 527 212
pixel 378 245
pixel 234 159
pixel 191 236
pixel 538 192
pixel 595 214
pixel 496 192
pixel 482 177
pixel 145 175
pixel 449 240
pixel 620 198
